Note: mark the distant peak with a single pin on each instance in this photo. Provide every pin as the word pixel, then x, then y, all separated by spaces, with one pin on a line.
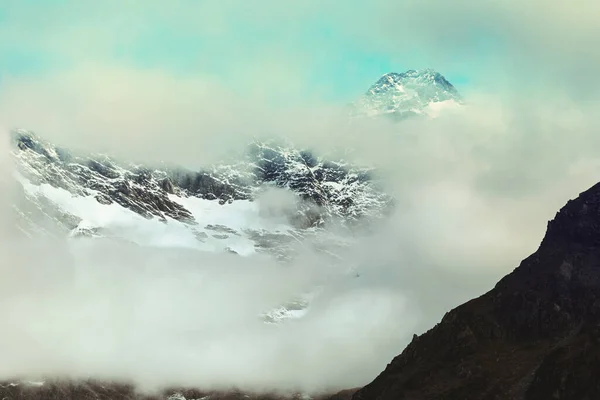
pixel 414 72
pixel 408 93
pixel 416 76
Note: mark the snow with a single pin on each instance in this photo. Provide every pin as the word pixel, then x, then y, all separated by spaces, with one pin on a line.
pixel 92 213
pixel 421 92
pixel 114 221
pixel 282 313
pixel 121 222
pixel 334 185
pixel 239 215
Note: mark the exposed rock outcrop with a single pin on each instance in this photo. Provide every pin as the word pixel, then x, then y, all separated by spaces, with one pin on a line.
pixel 536 335
pixel 325 189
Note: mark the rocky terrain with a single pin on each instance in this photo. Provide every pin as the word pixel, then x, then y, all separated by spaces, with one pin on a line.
pixel 536 335
pixel 325 189
pixel 408 94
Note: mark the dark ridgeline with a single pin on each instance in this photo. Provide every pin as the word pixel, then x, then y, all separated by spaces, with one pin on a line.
pixel 535 336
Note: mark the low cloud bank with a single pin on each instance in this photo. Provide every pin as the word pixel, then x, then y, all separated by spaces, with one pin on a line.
pixel 474 190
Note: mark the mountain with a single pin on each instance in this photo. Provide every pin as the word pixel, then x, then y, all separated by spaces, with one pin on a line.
pixel 222 208
pixel 55 180
pixel 536 335
pixel 324 190
pixel 411 93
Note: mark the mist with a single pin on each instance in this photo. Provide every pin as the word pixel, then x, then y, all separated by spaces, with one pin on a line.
pixel 474 190
pixel 172 317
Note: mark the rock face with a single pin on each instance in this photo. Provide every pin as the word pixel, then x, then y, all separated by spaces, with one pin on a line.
pixel 536 335
pixel 325 189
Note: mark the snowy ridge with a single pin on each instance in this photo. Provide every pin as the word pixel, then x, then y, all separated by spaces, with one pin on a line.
pixel 324 189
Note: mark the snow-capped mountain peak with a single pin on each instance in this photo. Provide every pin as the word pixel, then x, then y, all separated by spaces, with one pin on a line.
pixel 410 93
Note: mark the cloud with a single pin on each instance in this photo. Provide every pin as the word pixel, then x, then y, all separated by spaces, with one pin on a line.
pixel 305 53
pixel 494 42
pixel 277 203
pixel 116 311
pixel 474 189
pixel 112 109
pixel 499 43
pixel 151 115
pixel 263 48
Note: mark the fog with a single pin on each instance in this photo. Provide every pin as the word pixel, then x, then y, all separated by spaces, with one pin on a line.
pixel 474 190
pixel 175 318
pixel 169 317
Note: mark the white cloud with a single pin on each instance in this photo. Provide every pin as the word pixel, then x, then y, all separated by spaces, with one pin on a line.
pixel 474 193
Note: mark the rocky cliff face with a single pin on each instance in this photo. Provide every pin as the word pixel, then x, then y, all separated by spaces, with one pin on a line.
pixel 536 335
pixel 328 189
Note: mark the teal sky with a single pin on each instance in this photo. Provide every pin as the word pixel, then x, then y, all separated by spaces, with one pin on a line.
pixel 321 46
pixel 329 50
pixel 86 72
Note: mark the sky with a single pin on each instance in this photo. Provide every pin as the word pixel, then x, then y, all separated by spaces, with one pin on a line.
pixel 298 52
pixel 89 73
pixel 319 45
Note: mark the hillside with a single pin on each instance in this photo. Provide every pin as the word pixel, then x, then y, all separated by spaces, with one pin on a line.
pixel 536 335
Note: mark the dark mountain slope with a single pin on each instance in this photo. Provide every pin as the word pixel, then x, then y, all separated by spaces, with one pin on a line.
pixel 536 335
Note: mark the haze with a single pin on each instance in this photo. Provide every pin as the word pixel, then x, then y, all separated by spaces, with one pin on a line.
pixel 474 188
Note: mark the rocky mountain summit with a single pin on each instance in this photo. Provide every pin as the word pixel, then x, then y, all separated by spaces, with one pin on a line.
pixel 411 93
pixel 536 335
